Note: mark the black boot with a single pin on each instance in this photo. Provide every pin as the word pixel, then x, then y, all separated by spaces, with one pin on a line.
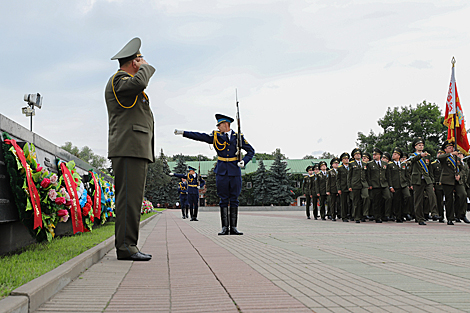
pixel 233 221
pixel 224 219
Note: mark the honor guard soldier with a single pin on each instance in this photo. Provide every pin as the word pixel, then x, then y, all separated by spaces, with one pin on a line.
pixel 421 180
pixel 332 189
pixel 342 186
pixel 398 180
pixel 453 185
pixel 228 169
pixel 321 188
pixel 357 184
pixel 130 144
pixel 195 182
pixel 367 208
pixel 379 189
pixel 308 186
pixel 315 198
pixel 183 194
pixel 436 170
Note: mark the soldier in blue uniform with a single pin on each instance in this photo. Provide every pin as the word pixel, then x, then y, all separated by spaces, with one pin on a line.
pixel 195 182
pixel 183 193
pixel 227 170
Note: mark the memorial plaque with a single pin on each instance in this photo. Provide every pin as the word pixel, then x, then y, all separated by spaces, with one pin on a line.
pixel 47 160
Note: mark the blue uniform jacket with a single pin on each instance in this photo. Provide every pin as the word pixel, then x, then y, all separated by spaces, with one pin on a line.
pixel 192 182
pixel 183 188
pixel 226 150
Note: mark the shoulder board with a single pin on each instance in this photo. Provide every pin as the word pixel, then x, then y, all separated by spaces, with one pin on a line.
pixel 435 161
pixel 390 162
pixel 340 165
pixel 353 161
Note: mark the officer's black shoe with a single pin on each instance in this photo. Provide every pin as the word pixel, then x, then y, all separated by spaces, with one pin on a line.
pixel 408 217
pixel 378 220
pixel 333 219
pixel 457 220
pixel 450 223
pixel 399 220
pixel 234 231
pixel 371 218
pixel 224 231
pixel 138 256
pixel 323 219
pixel 385 219
pixel 465 219
pixel 329 217
pixel 345 220
pixel 363 219
pixel 184 217
pixel 195 219
pixel 421 223
pixel 435 217
pixel 308 217
pixel 391 219
pixel 315 217
pixel 358 221
pixel 441 220
pixel 146 254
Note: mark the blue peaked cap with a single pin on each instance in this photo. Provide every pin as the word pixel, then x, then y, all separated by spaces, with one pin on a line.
pixel 223 118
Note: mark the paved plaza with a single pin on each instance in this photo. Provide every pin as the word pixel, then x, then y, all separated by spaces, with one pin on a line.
pixel 283 263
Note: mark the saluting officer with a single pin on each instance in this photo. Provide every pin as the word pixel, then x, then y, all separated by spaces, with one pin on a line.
pixel 451 182
pixel 228 169
pixel 195 182
pixel 308 184
pixel 379 188
pixel 342 186
pixel 130 144
pixel 357 184
pixel 398 181
pixel 332 189
pixel 421 180
pixel 183 194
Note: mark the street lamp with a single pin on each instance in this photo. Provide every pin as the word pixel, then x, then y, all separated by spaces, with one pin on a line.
pixel 32 100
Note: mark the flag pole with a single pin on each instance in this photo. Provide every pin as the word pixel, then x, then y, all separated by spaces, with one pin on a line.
pixel 455 114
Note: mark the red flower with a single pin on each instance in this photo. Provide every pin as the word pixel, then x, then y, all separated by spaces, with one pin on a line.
pixel 45 183
pixel 60 200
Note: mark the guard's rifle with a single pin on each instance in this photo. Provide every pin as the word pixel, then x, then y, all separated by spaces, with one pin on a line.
pixel 239 134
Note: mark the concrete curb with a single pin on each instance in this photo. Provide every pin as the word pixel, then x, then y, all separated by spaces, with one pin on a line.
pixel 28 297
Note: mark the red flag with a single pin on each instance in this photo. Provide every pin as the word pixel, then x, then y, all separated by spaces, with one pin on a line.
pixel 453 118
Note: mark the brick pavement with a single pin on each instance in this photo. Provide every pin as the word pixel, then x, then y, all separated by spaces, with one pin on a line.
pixel 283 263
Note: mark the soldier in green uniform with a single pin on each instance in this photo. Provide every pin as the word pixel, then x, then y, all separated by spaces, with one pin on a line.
pixel 464 174
pixel 342 186
pixel 366 158
pixel 308 184
pixel 321 188
pixel 451 181
pixel 357 184
pixel 421 180
pixel 130 144
pixel 379 188
pixel 436 170
pixel 315 198
pixel 398 181
pixel 332 189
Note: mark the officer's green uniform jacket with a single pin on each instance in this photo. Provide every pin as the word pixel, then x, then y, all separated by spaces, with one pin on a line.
pixel 308 185
pixel 331 178
pixel 377 175
pixel 436 170
pixel 449 169
pixel 465 171
pixel 130 118
pixel 342 179
pixel 420 169
pixel 357 175
pixel 397 175
pixel 321 183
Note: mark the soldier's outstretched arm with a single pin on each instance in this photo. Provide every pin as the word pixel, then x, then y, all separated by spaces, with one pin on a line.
pixel 195 136
pixel 178 175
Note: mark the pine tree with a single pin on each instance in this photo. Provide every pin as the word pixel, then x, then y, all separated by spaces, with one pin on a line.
pixel 246 195
pixel 279 185
pixel 167 191
pixel 181 167
pixel 261 192
pixel 211 194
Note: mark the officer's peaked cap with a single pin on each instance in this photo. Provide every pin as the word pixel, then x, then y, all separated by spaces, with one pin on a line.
pixel 223 118
pixel 129 52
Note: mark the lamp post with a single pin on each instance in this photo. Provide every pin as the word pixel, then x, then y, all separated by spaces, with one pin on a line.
pixel 32 100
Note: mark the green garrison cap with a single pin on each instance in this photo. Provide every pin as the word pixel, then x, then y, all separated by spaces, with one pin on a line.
pixel 129 52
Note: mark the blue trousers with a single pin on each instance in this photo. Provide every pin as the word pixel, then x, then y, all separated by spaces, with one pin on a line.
pixel 228 189
pixel 193 200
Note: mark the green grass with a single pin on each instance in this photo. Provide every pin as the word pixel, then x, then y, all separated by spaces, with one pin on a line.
pixel 38 259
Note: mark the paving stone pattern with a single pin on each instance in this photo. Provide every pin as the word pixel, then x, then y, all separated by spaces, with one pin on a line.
pixel 283 263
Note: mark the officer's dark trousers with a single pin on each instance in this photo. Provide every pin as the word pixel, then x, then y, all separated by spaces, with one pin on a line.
pixel 439 192
pixel 193 200
pixel 418 192
pixel 307 204
pixel 322 205
pixel 358 203
pixel 228 189
pixel 455 204
pixel 315 205
pixel 130 177
pixel 333 203
pixel 184 204
pixel 381 202
pixel 400 200
pixel 345 204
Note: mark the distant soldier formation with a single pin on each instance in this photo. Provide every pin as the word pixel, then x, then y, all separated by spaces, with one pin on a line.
pixel 386 187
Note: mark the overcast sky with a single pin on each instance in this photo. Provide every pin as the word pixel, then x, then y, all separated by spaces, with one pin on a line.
pixel 310 74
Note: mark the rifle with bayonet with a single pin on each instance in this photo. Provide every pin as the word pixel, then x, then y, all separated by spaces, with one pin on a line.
pixel 239 133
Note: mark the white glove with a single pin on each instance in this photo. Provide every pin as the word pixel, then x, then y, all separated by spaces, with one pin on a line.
pixel 179 132
pixel 198 187
pixel 241 164
pixel 171 174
